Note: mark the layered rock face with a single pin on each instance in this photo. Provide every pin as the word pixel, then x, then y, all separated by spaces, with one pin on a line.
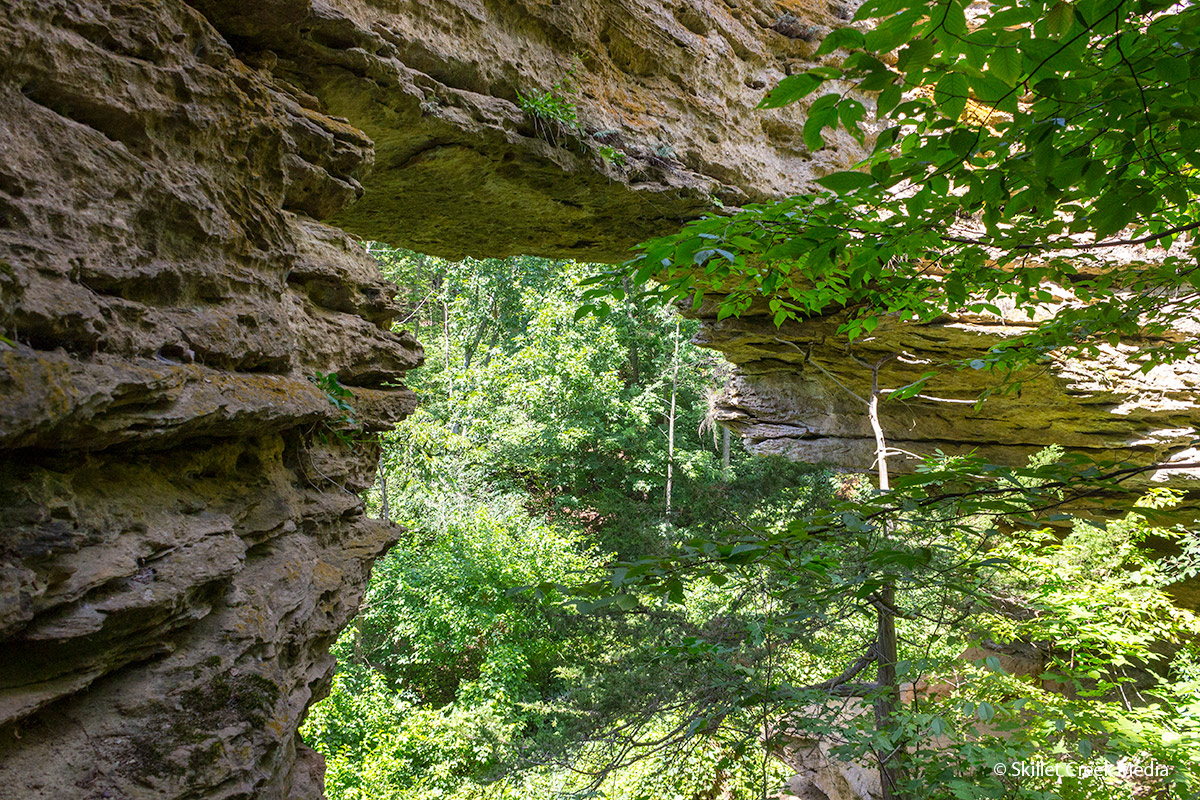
pixel 180 536
pixel 664 95
pixel 799 392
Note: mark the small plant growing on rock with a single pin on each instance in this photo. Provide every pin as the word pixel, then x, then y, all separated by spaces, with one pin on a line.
pixel 548 107
pixel 612 155
pixel 553 113
pixel 347 425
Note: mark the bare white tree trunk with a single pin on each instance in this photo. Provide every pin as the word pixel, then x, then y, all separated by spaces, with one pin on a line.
pixel 671 420
pixel 725 453
pixel 384 511
pixel 886 652
pixel 446 347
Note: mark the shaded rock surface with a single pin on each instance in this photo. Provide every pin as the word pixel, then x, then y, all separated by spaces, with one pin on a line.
pixel 180 533
pixel 460 169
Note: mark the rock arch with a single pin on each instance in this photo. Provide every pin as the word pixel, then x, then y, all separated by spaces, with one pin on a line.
pixel 180 537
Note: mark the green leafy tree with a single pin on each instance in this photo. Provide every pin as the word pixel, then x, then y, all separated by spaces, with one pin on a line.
pixel 539 451
pixel 789 646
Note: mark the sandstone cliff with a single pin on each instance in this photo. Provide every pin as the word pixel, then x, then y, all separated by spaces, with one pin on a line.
pixel 796 392
pixel 181 538
pixel 460 169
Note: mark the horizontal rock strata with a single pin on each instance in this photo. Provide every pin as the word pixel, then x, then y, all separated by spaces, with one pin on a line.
pixel 180 533
pixel 798 391
pixel 664 96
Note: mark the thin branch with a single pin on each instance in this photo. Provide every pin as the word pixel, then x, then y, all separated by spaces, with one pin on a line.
pixel 808 359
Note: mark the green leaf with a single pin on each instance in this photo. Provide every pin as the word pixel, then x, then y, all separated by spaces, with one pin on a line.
pixel 950 94
pixel 1172 69
pixel 844 182
pixel 675 591
pixel 877 80
pixel 1005 64
pixel 822 113
pixel 842 38
pixel 991 91
pixel 888 99
pixel 850 113
pixel 914 57
pixel 879 8
pixel 625 602
pixel 1111 216
pixel 888 34
pixel 952 17
pixel 791 89
pixel 1059 18
pixel 904 392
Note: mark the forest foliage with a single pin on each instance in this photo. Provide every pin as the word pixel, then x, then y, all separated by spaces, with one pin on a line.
pixel 539 453
pixel 545 628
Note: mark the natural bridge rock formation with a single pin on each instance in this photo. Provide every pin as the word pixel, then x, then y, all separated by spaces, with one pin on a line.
pixel 665 95
pixel 180 533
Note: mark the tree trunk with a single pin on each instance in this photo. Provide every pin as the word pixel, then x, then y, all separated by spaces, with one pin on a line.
pixel 635 367
pixel 886 705
pixel 885 642
pixel 454 426
pixel 671 420
pixel 446 348
pixel 725 453
pixel 384 511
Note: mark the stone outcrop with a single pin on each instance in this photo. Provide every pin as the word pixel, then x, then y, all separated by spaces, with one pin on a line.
pixel 820 775
pixel 460 169
pixel 798 391
pixel 180 533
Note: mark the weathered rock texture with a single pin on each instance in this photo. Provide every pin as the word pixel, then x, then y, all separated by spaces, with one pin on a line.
pixel 460 169
pixel 180 536
pixel 798 391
